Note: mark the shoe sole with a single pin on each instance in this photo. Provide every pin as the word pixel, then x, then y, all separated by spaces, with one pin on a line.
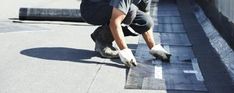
pixel 106 56
pixel 93 37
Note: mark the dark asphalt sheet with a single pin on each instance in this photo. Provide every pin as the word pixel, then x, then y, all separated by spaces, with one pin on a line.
pixel 183 72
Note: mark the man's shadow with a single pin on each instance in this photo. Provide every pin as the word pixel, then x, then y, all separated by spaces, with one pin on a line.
pixel 68 54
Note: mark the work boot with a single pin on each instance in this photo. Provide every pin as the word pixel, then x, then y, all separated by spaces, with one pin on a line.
pixel 103 39
pixel 159 52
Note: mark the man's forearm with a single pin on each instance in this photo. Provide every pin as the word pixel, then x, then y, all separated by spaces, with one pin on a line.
pixel 118 35
pixel 116 29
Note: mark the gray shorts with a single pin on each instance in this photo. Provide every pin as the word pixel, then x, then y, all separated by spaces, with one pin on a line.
pixel 98 12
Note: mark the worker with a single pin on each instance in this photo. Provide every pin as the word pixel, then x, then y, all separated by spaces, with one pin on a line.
pixel 115 18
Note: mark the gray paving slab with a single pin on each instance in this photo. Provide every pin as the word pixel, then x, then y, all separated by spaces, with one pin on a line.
pixel 47 61
pixel 109 79
pixel 14 27
pixel 38 54
pixel 55 57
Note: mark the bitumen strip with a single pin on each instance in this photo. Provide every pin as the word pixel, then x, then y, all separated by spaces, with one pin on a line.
pixel 215 75
pixel 50 14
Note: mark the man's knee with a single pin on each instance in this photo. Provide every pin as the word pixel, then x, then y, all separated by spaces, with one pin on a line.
pixel 149 23
pixel 142 23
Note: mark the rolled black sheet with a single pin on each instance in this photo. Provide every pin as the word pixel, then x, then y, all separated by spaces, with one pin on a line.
pixel 50 14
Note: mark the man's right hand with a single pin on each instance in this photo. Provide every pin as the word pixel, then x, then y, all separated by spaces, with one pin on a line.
pixel 127 57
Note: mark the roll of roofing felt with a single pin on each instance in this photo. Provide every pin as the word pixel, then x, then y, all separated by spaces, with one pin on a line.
pixel 50 14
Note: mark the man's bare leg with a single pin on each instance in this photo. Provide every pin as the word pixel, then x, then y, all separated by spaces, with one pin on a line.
pixel 149 38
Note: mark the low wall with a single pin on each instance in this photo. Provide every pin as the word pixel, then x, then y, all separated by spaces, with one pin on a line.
pixel 225 52
pixel 224 24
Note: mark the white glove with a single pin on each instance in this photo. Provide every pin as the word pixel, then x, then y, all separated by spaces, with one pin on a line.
pixel 158 47
pixel 127 57
pixel 159 52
